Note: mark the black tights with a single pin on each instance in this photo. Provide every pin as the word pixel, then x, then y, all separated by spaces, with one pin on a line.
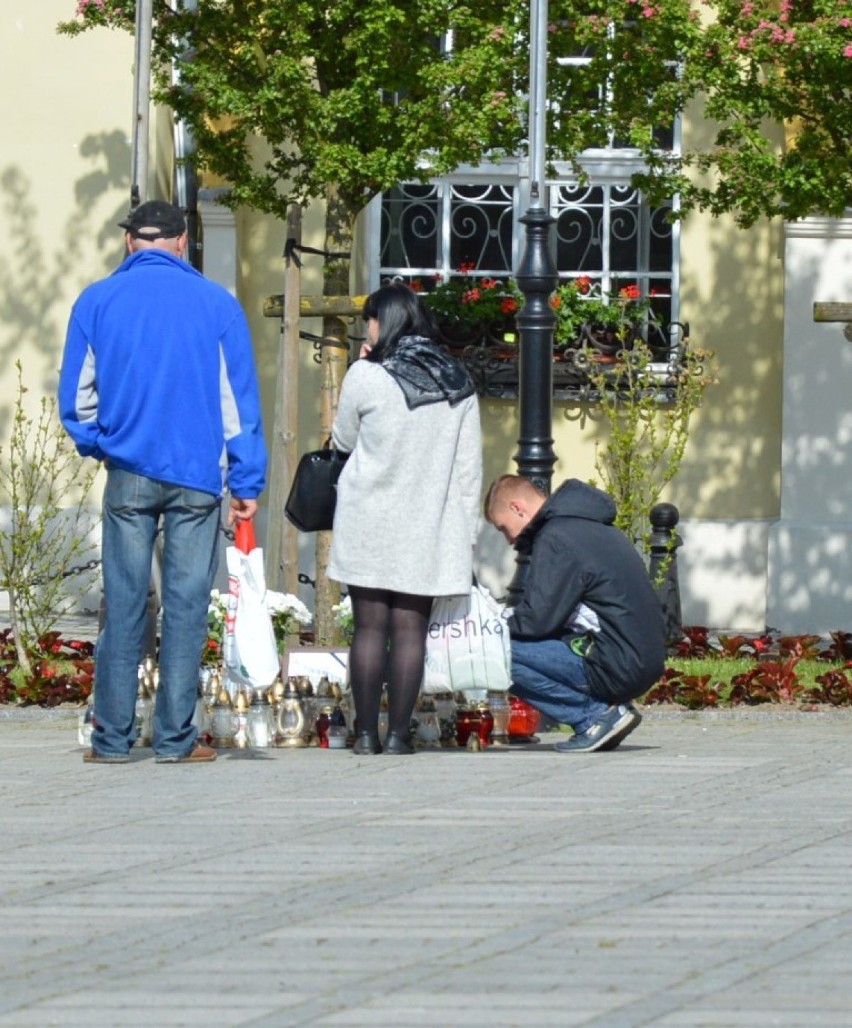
pixel 388 646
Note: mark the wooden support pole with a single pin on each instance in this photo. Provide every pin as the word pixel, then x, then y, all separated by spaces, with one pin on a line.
pixel 335 360
pixel 832 312
pixel 282 544
pixel 835 312
pixel 316 306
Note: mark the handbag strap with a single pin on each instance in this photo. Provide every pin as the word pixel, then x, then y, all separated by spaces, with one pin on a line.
pixel 329 445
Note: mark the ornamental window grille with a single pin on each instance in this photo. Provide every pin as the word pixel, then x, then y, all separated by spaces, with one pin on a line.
pixel 604 230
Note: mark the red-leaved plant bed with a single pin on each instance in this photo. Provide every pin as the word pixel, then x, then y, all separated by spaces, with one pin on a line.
pixel 63 672
pixel 775 676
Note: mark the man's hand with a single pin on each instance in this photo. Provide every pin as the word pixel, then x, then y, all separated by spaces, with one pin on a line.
pixel 241 510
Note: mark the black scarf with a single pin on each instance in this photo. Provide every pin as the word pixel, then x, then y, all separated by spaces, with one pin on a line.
pixel 426 374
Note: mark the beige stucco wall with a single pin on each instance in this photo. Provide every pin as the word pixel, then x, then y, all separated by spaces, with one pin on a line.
pixel 64 179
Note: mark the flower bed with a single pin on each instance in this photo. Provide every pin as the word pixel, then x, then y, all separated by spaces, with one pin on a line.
pixel 733 670
pixel 704 671
pixel 64 671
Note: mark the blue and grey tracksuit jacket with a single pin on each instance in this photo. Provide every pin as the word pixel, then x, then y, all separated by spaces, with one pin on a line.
pixel 158 377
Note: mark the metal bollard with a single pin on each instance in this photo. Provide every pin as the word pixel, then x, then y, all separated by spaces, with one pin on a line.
pixel 664 545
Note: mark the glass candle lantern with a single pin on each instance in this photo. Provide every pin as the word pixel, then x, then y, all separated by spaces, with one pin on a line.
pixel 222 720
pixel 428 724
pixel 241 706
pixel 199 716
pixel 323 723
pixel 468 721
pixel 445 708
pixel 311 707
pixel 259 727
pixel 290 719
pixel 144 711
pixel 85 724
pixel 338 732
pixel 523 720
pixel 486 724
pixel 501 711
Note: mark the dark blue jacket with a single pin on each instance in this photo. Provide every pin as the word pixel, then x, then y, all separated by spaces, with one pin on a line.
pixel 578 556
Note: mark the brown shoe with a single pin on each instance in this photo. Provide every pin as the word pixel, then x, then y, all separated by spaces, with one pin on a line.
pixel 199 755
pixel 93 757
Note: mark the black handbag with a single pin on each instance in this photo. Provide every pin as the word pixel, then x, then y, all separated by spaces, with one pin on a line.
pixel 313 494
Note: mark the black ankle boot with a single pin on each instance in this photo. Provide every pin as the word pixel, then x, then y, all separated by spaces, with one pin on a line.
pixel 367 743
pixel 398 743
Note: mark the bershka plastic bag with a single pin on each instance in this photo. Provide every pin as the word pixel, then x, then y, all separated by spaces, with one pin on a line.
pixel 467 644
pixel 249 651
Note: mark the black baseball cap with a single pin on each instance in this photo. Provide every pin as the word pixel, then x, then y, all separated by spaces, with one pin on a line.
pixel 155 219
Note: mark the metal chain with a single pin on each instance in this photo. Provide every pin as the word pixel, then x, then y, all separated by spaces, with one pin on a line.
pixel 78 569
pixel 90 565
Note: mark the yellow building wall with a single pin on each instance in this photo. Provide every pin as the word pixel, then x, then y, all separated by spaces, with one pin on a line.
pixel 733 295
pixel 65 108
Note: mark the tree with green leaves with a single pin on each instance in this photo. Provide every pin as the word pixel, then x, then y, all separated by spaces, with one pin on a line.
pixel 351 97
pixel 647 414
pixel 774 80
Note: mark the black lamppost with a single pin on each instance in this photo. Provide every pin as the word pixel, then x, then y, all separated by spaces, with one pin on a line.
pixel 537 278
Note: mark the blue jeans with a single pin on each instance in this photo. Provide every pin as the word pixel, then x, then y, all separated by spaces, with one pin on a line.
pixel 552 678
pixel 132 508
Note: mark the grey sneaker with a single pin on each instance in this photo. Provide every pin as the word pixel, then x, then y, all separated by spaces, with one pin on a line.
pixel 197 755
pixel 606 734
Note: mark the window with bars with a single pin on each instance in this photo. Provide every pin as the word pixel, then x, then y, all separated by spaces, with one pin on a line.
pixel 605 231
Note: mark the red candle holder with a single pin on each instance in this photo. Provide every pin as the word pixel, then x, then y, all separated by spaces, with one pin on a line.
pixel 468 723
pixel 524 720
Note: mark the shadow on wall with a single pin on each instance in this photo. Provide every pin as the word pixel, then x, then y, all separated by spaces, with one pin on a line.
pixel 35 282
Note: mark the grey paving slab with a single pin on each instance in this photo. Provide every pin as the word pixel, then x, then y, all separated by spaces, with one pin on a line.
pixel 698 876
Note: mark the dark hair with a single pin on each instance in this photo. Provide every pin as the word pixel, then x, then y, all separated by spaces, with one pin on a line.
pixel 399 312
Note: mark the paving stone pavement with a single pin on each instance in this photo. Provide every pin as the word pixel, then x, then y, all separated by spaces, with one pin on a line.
pixel 697 876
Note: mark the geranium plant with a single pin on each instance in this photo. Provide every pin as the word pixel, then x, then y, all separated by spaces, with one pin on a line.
pixel 579 302
pixel 469 300
pixel 217 611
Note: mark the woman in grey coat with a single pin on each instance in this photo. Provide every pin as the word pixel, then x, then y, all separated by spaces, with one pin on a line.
pixel 408 503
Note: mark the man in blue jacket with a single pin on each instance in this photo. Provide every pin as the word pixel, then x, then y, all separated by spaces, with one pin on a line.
pixel 158 381
pixel 587 632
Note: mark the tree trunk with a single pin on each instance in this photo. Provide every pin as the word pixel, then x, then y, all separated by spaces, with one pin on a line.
pixel 17 634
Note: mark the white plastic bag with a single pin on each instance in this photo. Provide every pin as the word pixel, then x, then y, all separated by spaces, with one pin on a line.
pixel 249 650
pixel 467 645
